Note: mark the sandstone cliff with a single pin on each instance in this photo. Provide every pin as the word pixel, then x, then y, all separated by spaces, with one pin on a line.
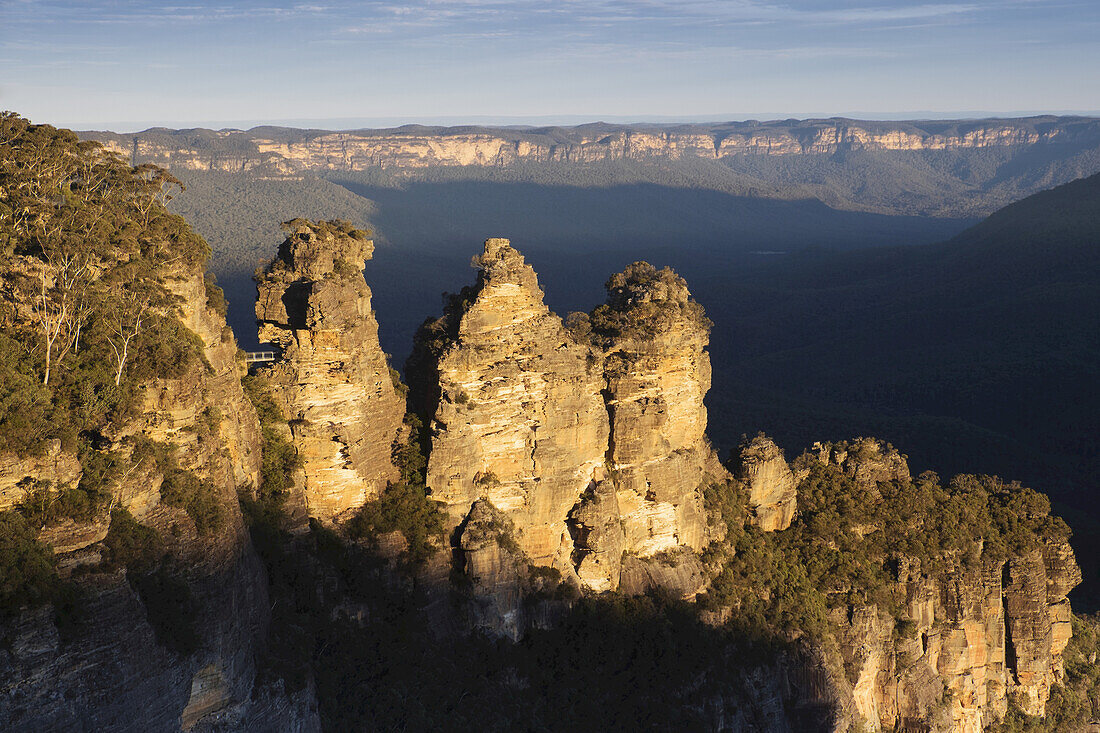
pixel 654 338
pixel 969 635
pixel 771 484
pixel 110 666
pixel 331 378
pixel 515 405
pixel 282 151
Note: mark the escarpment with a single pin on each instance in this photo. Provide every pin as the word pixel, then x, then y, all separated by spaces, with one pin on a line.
pixel 292 151
pixel 330 376
pixel 582 506
pixel 138 602
pixel 971 630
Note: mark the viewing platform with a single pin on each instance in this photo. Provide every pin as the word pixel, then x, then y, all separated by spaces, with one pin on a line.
pixel 258 357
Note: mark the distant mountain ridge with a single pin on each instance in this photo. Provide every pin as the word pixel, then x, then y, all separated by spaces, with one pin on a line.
pixel 941 168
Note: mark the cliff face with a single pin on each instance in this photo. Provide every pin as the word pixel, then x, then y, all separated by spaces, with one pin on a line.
pixel 331 377
pixel 968 638
pixel 519 419
pixel 412 147
pixel 658 371
pixel 772 486
pixel 110 666
pixel 590 440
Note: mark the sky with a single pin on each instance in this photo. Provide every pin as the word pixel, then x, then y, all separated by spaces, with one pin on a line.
pixel 124 65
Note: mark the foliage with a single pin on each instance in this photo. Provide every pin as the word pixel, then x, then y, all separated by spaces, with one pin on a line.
pixel 643 302
pixel 182 487
pixel 215 296
pixel 132 544
pixel 843 548
pixel 280 458
pixel 404 508
pixel 409 454
pixel 27 574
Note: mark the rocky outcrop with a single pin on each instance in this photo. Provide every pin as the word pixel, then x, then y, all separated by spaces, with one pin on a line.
pixel 331 378
pixel 867 461
pixel 598 537
pixel 496 571
pixel 113 664
pixel 654 339
pixel 590 440
pixel 967 638
pixel 55 465
pixel 517 417
pixel 771 484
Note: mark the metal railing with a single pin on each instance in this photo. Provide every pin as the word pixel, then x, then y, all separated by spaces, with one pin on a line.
pixel 255 357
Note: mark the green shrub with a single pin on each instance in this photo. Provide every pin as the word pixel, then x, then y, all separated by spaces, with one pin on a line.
pixel 181 487
pixel 27 567
pixel 215 296
pixel 280 458
pixel 409 455
pixel 132 544
pixel 404 508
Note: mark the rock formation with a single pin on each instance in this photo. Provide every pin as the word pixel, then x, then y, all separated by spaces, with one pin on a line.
pixel 110 668
pixel 515 406
pixel 654 338
pixel 331 377
pixel 770 482
pixel 426 147
pixel 973 635
pixel 590 440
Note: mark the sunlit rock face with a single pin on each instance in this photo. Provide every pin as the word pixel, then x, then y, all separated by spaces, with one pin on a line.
pixel 332 378
pixel 517 417
pixel 111 670
pixel 654 339
pixel 966 639
pixel 770 482
pixel 590 440
pixel 237 151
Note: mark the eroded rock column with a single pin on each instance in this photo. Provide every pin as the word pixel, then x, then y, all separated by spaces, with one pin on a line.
pixel 332 377
pixel 515 406
pixel 654 337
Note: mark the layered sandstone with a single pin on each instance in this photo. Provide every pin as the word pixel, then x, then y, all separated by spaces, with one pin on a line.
pixel 590 440
pixel 771 484
pixel 514 404
pixel 654 338
pixel 331 376
pixel 968 637
pixel 418 147
pixel 111 668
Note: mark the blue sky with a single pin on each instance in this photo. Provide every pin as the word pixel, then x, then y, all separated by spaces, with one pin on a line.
pixel 123 64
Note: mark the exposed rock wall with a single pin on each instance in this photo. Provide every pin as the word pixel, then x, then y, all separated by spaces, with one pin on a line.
pixel 590 440
pixel 107 667
pixel 967 638
pixel 518 418
pixel 654 339
pixel 771 484
pixel 424 147
pixel 331 378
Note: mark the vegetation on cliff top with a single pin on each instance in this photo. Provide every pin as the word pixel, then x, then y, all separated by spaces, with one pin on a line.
pixel 85 310
pixel 643 303
pixel 849 542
